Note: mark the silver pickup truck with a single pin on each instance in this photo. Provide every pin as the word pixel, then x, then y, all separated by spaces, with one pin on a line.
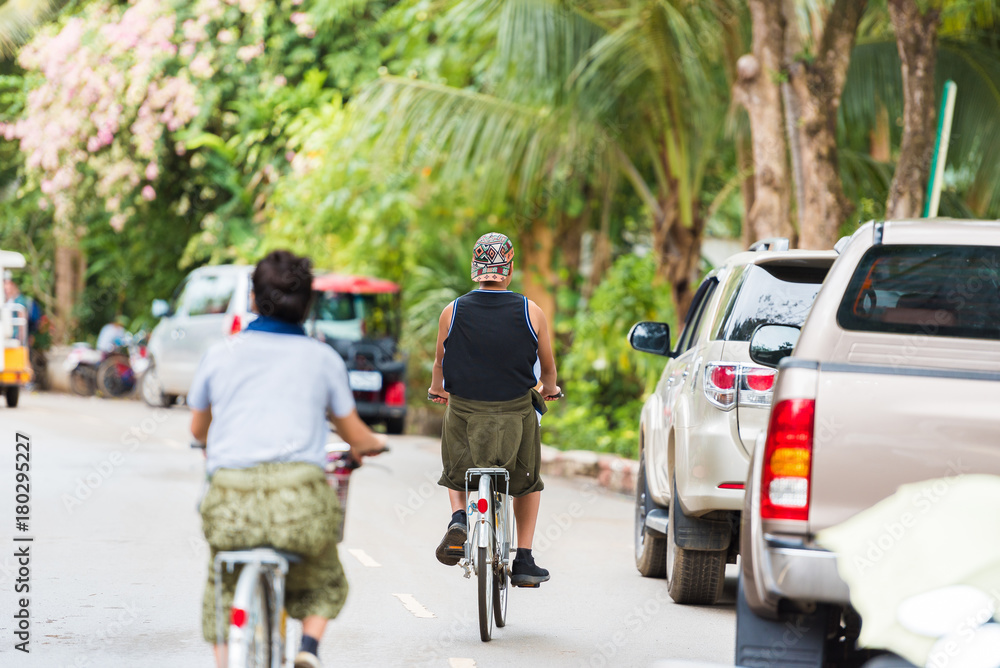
pixel 894 378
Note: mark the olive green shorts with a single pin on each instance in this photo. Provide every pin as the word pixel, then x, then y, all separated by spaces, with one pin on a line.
pixel 502 434
pixel 287 506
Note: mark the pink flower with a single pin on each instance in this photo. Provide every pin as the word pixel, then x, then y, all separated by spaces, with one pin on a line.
pixel 227 36
pixel 289 155
pixel 148 193
pixel 299 17
pixel 296 3
pixel 152 171
pixel 43 203
pixel 280 81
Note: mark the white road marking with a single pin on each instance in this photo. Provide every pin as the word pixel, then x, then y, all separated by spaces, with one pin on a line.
pixel 413 606
pixel 365 560
pixel 461 663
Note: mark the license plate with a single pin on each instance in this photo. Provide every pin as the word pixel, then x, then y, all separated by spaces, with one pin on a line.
pixel 365 381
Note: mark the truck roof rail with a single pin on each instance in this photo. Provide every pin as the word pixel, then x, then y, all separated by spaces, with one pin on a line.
pixel 770 244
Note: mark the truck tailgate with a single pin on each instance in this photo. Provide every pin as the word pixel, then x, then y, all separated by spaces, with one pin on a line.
pixel 878 427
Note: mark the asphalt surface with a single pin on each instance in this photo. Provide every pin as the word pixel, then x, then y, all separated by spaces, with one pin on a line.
pixel 117 561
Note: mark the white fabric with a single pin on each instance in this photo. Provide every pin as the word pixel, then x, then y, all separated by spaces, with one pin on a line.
pixel 269 395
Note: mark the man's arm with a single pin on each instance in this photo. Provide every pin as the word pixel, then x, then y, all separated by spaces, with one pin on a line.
pixel 546 358
pixel 200 421
pixel 355 432
pixel 437 374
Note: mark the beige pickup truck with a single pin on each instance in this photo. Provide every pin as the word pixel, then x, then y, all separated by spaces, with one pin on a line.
pixel 894 378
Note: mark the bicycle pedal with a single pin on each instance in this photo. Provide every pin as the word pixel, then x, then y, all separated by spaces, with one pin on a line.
pixel 528 586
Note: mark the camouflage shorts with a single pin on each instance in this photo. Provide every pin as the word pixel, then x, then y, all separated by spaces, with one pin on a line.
pixel 287 506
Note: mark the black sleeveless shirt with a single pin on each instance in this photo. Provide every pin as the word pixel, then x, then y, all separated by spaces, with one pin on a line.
pixel 491 353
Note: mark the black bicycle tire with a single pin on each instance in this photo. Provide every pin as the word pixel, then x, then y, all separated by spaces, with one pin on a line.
pixel 485 579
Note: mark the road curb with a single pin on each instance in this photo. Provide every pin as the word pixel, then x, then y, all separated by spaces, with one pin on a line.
pixel 614 473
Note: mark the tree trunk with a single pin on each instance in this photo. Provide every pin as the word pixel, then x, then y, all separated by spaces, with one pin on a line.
pixel 817 86
pixel 757 90
pixel 879 139
pixel 916 39
pixel 678 252
pixel 536 247
pixel 69 280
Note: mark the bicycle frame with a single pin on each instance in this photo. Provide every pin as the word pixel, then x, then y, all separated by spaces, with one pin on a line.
pixel 259 561
pixel 479 534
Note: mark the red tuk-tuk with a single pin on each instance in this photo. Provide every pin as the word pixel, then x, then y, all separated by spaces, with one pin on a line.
pixel 360 317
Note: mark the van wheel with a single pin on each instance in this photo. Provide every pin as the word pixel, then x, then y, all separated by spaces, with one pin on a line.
pixel 152 391
pixel 650 546
pixel 693 576
pixel 13 393
pixel 792 640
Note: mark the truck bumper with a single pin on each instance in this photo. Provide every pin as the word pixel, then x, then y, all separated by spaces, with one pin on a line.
pixel 799 573
pixel 377 411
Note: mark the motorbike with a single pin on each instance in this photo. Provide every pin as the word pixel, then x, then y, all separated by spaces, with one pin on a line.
pixel 111 374
pixel 81 364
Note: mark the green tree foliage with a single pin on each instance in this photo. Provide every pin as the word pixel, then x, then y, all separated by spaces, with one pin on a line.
pixel 605 381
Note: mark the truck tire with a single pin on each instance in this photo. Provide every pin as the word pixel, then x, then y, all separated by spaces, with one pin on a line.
pixel 694 577
pixel 395 425
pixel 650 546
pixel 13 393
pixel 792 640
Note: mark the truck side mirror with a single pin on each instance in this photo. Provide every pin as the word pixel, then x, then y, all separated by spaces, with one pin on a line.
pixel 772 343
pixel 651 337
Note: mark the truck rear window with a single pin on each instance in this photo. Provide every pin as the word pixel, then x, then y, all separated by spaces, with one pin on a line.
pixel 772 293
pixel 929 290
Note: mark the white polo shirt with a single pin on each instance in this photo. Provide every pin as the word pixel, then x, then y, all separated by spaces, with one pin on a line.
pixel 269 395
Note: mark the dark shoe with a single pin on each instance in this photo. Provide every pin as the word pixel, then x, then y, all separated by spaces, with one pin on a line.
pixel 525 573
pixel 452 547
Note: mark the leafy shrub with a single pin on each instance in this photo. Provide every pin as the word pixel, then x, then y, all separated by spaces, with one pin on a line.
pixel 605 381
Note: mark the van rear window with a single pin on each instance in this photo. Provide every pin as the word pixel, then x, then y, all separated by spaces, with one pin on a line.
pixel 772 293
pixel 929 290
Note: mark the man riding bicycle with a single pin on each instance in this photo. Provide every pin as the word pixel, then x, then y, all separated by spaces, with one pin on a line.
pixel 261 400
pixel 493 348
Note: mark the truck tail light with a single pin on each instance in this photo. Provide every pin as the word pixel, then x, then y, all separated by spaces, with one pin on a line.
pixel 784 488
pixel 720 384
pixel 395 394
pixel 236 325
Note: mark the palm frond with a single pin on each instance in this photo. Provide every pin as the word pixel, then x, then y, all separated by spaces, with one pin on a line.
pixel 19 19
pixel 496 143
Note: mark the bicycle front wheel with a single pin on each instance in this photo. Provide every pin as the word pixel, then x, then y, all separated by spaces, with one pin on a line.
pixel 250 628
pixel 486 593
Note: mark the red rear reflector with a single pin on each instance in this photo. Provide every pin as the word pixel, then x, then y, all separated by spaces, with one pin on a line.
pixel 395 394
pixel 760 381
pixel 236 325
pixel 724 377
pixel 732 485
pixel 483 505
pixel 784 489
pixel 238 618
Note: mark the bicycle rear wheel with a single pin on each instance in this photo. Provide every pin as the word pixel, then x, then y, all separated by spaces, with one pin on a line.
pixel 251 623
pixel 486 593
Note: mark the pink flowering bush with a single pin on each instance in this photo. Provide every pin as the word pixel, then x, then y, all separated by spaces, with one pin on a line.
pixel 120 95
pixel 102 105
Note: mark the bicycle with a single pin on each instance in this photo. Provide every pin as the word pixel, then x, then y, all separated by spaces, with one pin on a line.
pixel 489 544
pixel 489 541
pixel 260 635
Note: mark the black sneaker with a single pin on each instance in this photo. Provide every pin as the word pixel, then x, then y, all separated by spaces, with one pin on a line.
pixel 452 547
pixel 525 573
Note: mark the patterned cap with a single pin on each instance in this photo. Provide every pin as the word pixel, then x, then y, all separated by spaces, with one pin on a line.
pixel 492 258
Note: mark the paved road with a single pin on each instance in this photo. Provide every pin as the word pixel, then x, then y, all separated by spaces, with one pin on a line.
pixel 118 560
